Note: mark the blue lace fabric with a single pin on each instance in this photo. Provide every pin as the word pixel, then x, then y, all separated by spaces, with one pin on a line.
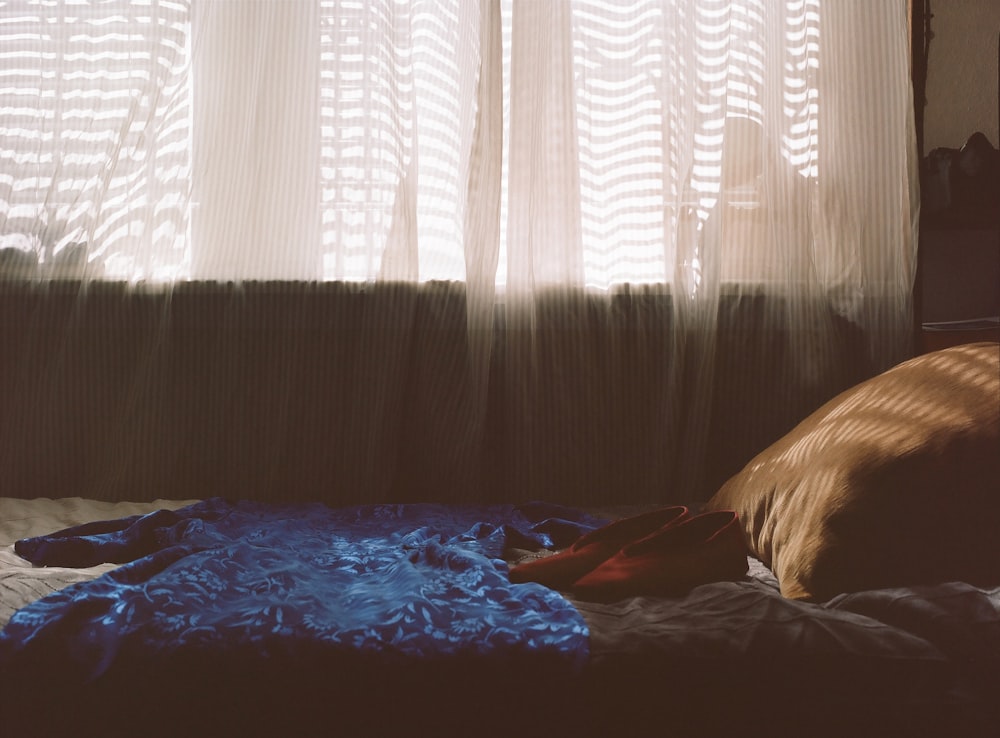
pixel 259 581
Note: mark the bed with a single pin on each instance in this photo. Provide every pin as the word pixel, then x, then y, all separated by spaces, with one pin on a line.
pixel 870 606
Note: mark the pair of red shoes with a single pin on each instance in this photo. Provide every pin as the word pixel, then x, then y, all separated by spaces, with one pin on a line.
pixel 663 552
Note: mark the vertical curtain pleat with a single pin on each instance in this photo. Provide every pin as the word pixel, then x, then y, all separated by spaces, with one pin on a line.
pixel 481 236
pixel 255 141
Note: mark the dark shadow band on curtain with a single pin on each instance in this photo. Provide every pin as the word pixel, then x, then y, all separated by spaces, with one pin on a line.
pixel 352 393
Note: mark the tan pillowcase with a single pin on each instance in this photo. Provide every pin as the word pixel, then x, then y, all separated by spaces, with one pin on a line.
pixel 893 482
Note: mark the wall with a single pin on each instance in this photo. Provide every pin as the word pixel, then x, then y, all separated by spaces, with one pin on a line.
pixel 962 73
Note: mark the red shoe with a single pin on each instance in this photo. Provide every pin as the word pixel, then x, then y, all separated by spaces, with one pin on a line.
pixel 705 548
pixel 561 570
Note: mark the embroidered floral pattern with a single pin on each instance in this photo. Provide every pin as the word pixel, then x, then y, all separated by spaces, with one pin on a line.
pixel 408 580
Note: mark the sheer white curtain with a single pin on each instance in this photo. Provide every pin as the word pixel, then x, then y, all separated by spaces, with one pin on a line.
pixel 728 150
pixel 649 172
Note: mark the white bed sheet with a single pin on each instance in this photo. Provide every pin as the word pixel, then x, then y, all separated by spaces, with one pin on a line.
pixel 22 583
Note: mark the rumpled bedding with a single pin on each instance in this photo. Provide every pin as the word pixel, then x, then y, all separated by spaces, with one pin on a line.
pixel 21 583
pixel 920 661
pixel 413 581
pixel 950 621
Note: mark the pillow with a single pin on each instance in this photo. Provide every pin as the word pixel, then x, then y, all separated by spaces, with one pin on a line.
pixel 893 482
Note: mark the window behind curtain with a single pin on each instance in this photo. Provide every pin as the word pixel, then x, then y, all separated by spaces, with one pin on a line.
pixel 96 132
pixel 397 82
pixel 95 135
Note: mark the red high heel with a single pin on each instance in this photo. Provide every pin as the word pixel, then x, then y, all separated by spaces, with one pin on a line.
pixel 561 570
pixel 705 548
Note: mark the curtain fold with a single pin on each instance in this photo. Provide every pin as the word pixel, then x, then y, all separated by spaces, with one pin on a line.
pixel 481 235
pixel 254 139
pixel 457 249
